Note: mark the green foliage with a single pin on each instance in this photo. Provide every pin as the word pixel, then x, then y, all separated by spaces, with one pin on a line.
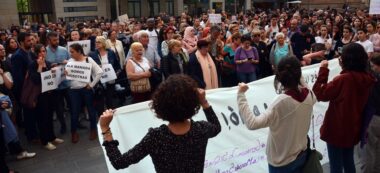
pixel 23 5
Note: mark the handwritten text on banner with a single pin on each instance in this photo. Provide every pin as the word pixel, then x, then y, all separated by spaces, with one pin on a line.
pixel 235 149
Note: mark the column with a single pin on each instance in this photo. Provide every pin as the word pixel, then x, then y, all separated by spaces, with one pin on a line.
pixel 248 5
pixel 179 7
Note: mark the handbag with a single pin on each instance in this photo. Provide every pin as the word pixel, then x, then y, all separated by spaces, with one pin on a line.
pixel 312 164
pixel 30 92
pixel 156 74
pixel 141 85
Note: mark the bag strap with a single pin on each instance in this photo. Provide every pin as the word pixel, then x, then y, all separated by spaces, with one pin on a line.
pixel 137 64
pixel 312 121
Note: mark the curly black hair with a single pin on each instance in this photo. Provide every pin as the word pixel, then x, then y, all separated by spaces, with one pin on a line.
pixel 176 99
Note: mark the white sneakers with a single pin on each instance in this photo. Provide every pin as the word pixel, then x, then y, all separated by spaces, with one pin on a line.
pixel 50 146
pixel 58 141
pixel 25 155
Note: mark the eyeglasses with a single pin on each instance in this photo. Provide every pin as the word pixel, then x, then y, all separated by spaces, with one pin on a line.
pixel 256 35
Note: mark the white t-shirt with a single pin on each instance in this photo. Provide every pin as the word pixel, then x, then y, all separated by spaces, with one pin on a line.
pixel 274 31
pixel 153 38
pixel 144 64
pixel 368 45
pixel 96 73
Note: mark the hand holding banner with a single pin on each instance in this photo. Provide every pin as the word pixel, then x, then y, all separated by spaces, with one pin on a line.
pixel 108 73
pixel 79 71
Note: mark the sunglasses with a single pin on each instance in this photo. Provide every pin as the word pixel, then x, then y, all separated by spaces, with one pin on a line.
pixel 256 35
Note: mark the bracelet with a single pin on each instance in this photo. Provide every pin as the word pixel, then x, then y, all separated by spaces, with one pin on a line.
pixel 107 131
pixel 107 134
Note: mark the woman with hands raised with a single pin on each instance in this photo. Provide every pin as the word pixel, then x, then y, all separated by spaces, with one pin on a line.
pixel 288 118
pixel 179 146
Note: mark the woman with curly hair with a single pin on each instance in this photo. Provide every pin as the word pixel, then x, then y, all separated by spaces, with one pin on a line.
pixel 179 146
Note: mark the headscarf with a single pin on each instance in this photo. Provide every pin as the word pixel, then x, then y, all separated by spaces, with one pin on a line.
pixel 189 41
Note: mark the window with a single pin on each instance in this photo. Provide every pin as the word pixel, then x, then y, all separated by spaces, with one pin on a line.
pixel 134 8
pixel 79 9
pixel 79 0
pixel 170 7
pixel 80 18
pixel 156 7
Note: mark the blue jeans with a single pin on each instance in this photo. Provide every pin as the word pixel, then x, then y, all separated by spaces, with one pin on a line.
pixel 341 158
pixel 77 97
pixel 246 77
pixel 292 167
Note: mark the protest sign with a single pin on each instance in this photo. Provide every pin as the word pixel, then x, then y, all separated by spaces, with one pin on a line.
pixel 78 71
pixel 86 44
pixel 108 73
pixel 374 7
pixel 235 148
pixel 48 81
pixel 215 18
pixel 60 73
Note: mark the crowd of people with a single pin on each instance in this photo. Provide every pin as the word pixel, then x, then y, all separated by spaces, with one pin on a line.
pixel 151 57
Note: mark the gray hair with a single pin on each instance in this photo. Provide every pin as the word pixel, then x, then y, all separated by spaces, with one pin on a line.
pixel 280 34
pixel 140 33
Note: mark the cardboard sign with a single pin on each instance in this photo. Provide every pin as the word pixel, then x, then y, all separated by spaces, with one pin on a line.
pixel 86 44
pixel 48 81
pixel 78 71
pixel 374 7
pixel 215 18
pixel 108 73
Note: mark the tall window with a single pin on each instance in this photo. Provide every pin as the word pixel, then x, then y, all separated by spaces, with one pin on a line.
pixel 156 7
pixel 170 7
pixel 134 8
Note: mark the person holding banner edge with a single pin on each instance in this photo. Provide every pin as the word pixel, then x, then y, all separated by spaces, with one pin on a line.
pixel 179 146
pixel 288 118
pixel 43 110
pixel 347 94
pixel 79 90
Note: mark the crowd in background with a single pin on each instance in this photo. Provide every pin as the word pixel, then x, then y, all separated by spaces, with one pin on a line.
pixel 144 52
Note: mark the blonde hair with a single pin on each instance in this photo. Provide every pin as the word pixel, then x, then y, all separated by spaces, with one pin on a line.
pixel 136 45
pixel 174 42
pixel 102 40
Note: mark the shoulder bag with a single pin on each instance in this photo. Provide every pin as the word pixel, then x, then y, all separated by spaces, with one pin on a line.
pixel 141 85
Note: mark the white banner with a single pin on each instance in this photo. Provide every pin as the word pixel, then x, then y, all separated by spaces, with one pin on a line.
pixel 79 71
pixel 48 81
pixel 86 44
pixel 108 73
pixel 215 18
pixel 374 7
pixel 235 148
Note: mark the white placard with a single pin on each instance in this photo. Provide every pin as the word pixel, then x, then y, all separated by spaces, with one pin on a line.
pixel 123 18
pixel 108 73
pixel 60 73
pixel 78 71
pixel 235 148
pixel 48 81
pixel 215 18
pixel 86 44
pixel 374 7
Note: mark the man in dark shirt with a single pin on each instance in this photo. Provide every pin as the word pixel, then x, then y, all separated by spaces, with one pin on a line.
pixel 20 62
pixel 301 42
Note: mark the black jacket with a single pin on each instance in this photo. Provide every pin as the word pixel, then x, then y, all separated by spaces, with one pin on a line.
pixel 170 65
pixel 195 70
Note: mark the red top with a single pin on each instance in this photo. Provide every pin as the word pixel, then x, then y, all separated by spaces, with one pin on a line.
pixel 348 93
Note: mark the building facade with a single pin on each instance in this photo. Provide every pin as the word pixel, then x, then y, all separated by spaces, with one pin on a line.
pixel 80 10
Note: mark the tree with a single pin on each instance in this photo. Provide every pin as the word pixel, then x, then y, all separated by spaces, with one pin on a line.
pixel 23 5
